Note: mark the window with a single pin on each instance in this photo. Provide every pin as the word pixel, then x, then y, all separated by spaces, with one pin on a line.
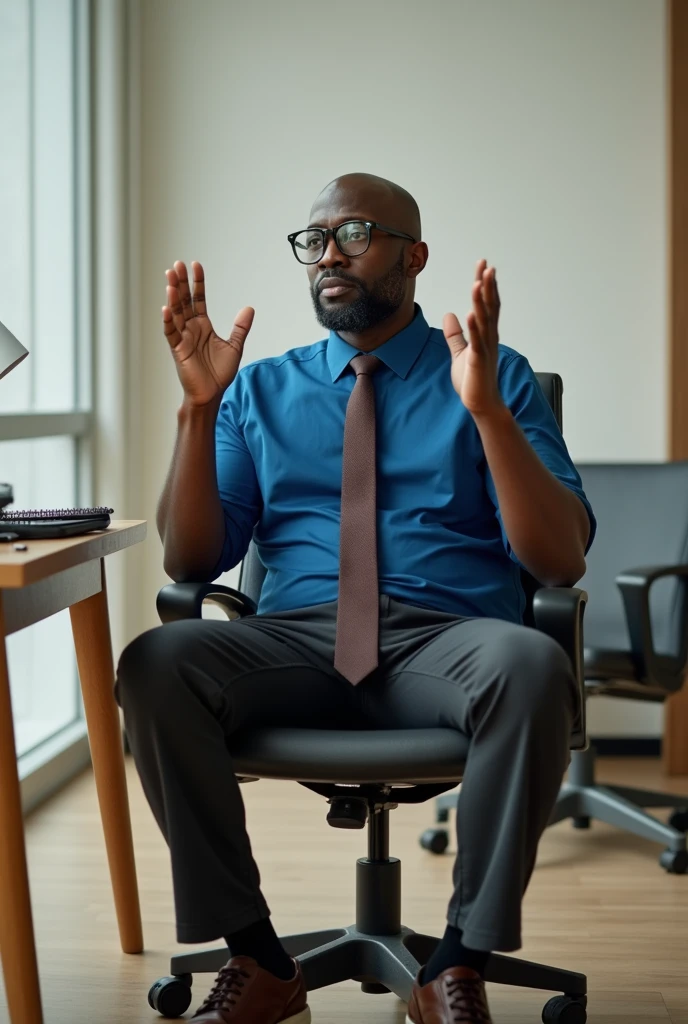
pixel 45 289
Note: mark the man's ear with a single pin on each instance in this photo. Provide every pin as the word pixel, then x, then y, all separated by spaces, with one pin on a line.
pixel 419 257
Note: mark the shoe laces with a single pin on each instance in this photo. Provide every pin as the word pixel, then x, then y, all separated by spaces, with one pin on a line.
pixel 228 985
pixel 467 1001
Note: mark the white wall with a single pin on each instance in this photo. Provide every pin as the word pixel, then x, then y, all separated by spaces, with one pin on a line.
pixel 531 132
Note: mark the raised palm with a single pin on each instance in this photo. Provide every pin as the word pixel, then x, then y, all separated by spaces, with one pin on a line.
pixel 206 363
pixel 475 359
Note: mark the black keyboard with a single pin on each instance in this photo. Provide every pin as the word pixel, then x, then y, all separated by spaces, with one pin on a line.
pixel 37 523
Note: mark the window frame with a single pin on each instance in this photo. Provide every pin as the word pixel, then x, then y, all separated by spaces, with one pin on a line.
pixel 48 765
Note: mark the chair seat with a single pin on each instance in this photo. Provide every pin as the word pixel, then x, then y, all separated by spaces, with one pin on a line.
pixel 340 755
pixel 616 671
pixel 608 664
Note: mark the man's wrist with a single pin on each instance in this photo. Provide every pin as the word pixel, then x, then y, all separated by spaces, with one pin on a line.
pixel 497 416
pixel 192 412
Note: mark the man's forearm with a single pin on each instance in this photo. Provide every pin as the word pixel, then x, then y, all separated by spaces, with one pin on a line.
pixel 546 523
pixel 190 518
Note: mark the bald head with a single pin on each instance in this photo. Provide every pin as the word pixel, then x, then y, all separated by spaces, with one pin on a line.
pixel 371 197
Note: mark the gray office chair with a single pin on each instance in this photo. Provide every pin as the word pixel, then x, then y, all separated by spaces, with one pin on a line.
pixel 364 775
pixel 636 639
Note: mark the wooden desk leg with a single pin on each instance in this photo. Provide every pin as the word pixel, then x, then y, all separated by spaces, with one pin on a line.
pixel 17 946
pixel 91 630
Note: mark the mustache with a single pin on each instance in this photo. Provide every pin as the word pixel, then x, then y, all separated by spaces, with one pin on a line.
pixel 336 274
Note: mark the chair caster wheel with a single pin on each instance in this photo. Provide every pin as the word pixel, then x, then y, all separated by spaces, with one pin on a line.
pixel 442 816
pixel 674 861
pixel 171 996
pixel 436 840
pixel 679 819
pixel 581 822
pixel 565 1010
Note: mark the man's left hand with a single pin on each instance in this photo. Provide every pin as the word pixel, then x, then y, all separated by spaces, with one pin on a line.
pixel 474 359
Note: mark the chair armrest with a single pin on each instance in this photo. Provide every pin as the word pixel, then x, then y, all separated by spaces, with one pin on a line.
pixel 558 612
pixel 635 585
pixel 185 601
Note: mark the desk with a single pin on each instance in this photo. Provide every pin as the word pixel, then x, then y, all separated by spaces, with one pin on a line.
pixel 49 576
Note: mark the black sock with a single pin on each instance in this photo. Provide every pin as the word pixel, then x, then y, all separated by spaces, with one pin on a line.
pixel 260 942
pixel 452 953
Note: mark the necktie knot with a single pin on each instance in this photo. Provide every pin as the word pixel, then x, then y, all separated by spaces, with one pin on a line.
pixel 365 363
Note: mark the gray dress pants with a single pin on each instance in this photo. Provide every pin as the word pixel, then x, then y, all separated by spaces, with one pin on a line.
pixel 188 687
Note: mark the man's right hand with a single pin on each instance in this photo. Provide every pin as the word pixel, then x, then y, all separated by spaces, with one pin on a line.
pixel 206 363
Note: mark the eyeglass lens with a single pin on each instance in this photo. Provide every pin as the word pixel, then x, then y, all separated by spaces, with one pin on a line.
pixel 351 238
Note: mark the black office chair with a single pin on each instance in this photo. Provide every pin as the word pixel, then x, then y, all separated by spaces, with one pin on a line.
pixel 636 633
pixel 364 775
pixel 636 639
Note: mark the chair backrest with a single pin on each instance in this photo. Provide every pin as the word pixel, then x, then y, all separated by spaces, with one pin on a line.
pixel 252 575
pixel 253 571
pixel 553 389
pixel 642 521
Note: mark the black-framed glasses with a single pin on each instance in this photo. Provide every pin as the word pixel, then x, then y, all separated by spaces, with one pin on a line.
pixel 351 238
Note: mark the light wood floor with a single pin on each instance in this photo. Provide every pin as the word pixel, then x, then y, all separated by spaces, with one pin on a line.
pixel 598 903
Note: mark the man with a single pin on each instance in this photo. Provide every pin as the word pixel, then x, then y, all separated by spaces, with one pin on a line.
pixel 393 606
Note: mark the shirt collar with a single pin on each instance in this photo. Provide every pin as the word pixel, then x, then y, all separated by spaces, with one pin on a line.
pixel 399 353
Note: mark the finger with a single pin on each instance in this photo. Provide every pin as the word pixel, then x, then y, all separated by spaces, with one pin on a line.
pixel 490 294
pixel 475 335
pixel 497 302
pixel 174 302
pixel 184 291
pixel 171 333
pixel 480 268
pixel 453 332
pixel 172 278
pixel 240 328
pixel 199 306
pixel 479 307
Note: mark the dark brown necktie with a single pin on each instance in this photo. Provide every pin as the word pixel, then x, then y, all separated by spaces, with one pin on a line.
pixel 356 644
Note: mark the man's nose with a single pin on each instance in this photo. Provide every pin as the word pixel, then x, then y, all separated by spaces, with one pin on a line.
pixel 332 256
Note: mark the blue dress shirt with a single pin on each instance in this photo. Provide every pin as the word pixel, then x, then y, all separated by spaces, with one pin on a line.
pixel 441 542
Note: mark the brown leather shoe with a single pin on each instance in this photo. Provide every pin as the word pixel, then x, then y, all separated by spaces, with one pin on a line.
pixel 457 996
pixel 244 993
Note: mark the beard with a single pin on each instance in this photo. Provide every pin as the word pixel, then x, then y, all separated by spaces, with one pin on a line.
pixel 370 308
